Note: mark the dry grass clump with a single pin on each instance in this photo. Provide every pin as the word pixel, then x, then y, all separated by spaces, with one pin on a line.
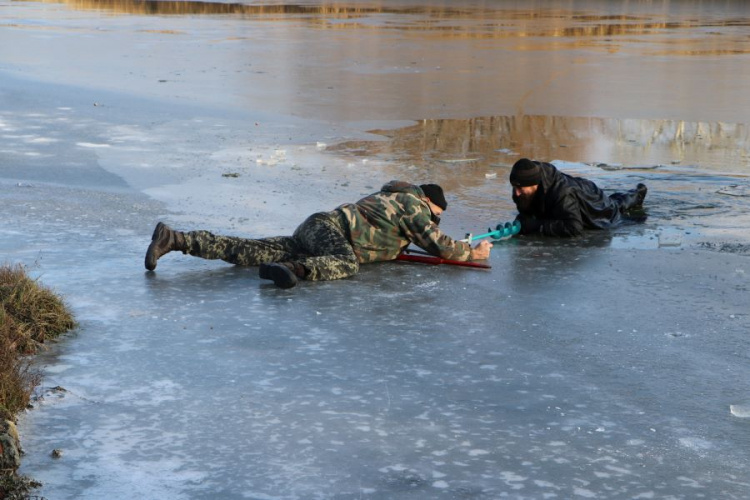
pixel 37 313
pixel 29 315
pixel 17 378
pixel 18 488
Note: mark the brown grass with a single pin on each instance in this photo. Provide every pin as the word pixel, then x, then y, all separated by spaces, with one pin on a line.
pixel 38 313
pixel 30 315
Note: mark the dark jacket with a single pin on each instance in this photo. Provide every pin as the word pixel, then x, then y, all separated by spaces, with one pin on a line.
pixel 566 205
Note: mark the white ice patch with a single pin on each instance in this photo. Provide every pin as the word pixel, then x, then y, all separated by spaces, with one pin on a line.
pixel 740 411
pixel 92 145
pixel 543 484
pixel 670 237
pixel 90 310
pixel 735 190
pixel 695 443
pixel 583 492
pixel 512 479
pixel 151 395
pixel 41 140
pixel 392 468
pixel 57 368
pixel 689 482
pixel 440 485
pixel 427 285
pixel 477 453
pixel 618 470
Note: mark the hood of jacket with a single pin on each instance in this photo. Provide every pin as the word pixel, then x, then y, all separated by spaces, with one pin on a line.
pixel 402 187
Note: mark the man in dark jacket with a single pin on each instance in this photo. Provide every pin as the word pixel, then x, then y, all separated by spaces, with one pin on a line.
pixel 552 203
pixel 332 245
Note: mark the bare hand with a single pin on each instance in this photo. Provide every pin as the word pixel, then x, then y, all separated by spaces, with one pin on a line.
pixel 481 251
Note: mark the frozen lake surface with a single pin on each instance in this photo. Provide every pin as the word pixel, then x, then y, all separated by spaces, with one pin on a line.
pixel 572 369
pixel 611 366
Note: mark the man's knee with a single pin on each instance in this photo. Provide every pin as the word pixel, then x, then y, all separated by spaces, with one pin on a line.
pixel 330 268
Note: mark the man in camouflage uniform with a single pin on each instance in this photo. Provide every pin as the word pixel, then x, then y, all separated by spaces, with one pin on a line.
pixel 332 245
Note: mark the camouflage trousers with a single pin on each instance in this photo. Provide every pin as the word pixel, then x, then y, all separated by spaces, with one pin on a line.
pixel 320 244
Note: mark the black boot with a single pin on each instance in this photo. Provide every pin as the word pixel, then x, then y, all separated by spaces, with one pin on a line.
pixel 631 199
pixel 164 240
pixel 283 274
pixel 641 191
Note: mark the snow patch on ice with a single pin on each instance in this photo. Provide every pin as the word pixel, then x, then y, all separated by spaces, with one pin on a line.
pixel 544 484
pixel 57 368
pixel 740 411
pixel 512 479
pixel 695 443
pixel 619 470
pixel 583 492
pixel 477 453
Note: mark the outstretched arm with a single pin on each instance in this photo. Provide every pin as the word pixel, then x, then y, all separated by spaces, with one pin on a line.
pixel 565 220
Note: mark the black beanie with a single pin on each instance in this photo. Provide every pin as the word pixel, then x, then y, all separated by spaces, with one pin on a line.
pixel 525 173
pixel 435 194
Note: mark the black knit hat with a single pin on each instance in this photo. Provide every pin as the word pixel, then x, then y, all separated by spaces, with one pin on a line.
pixel 525 173
pixel 435 194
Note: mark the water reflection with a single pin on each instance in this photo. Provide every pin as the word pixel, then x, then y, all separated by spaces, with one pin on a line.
pixel 697 172
pixel 522 20
pixel 605 143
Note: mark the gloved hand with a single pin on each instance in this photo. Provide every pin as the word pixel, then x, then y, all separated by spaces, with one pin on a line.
pixel 529 223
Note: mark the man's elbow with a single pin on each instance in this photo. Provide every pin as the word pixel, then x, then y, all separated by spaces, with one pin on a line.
pixel 574 228
pixel 562 228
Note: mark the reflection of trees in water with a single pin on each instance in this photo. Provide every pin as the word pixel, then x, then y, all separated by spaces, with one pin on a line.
pixel 502 139
pixel 493 21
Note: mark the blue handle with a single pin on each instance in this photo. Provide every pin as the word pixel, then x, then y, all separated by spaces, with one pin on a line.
pixel 501 231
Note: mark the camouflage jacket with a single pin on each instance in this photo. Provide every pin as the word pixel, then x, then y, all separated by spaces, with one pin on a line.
pixel 382 225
